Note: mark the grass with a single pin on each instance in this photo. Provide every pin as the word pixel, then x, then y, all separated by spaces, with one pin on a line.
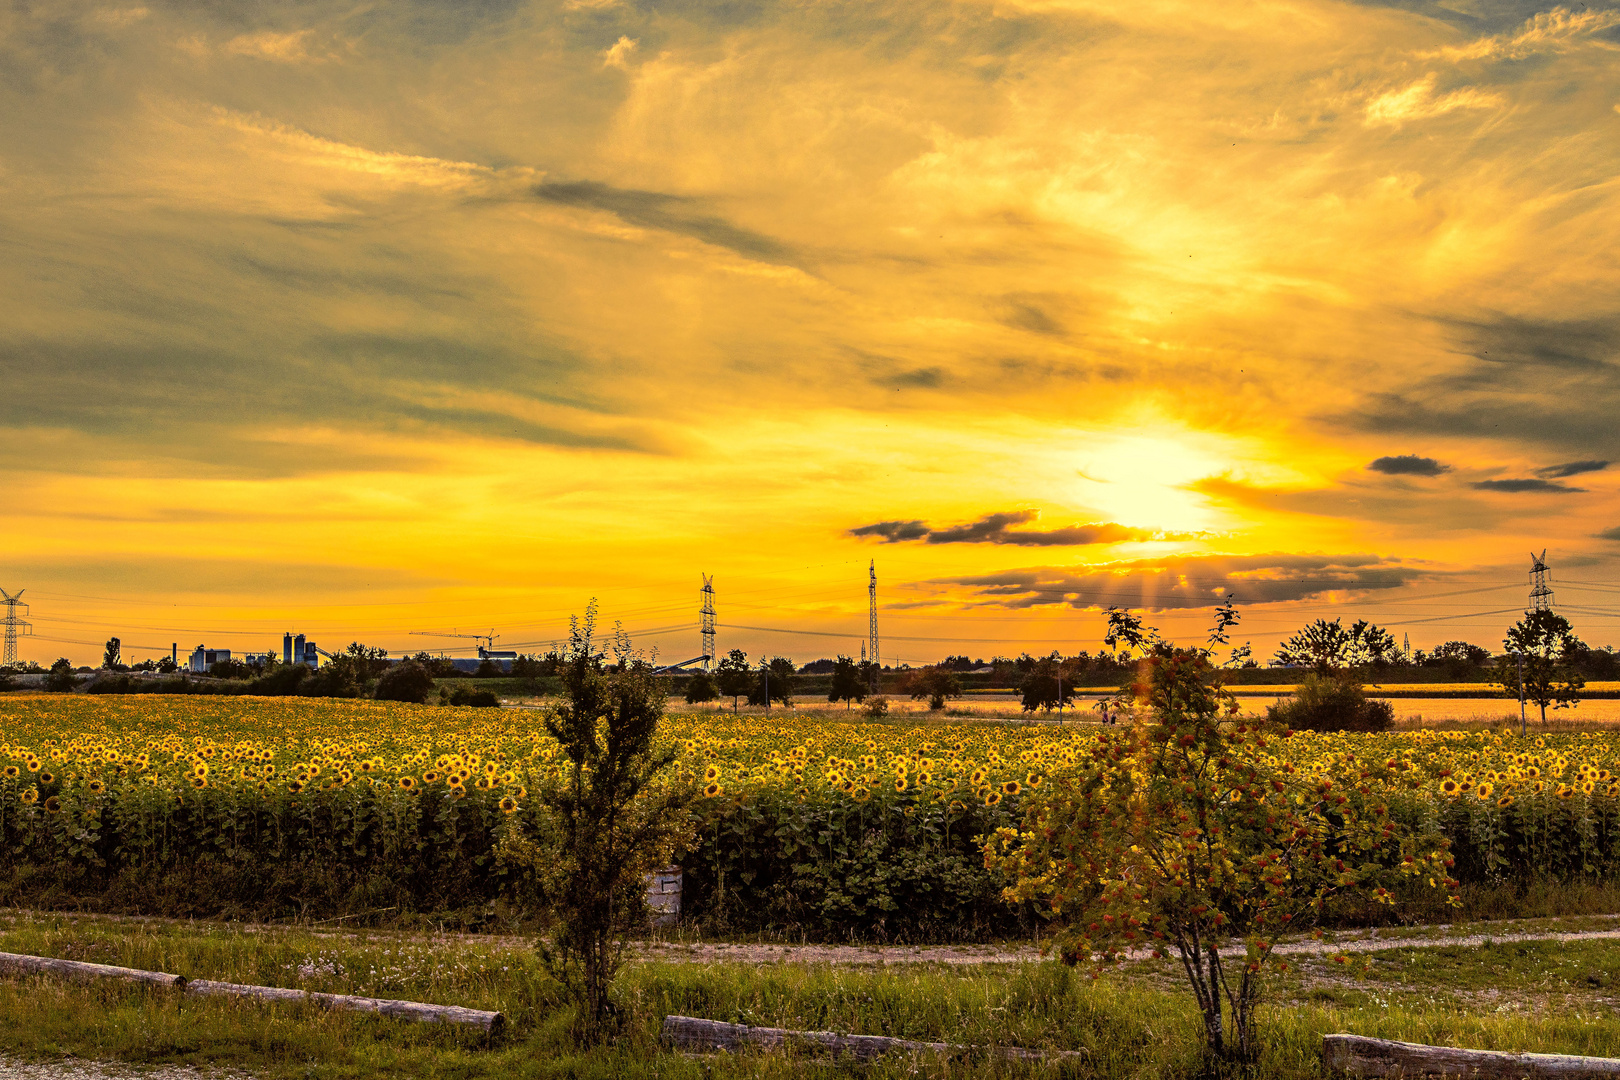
pixel 1138 1022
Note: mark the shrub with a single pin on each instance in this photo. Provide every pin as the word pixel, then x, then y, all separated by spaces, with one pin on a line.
pixel 478 699
pixel 61 679
pixel 1328 703
pixel 405 681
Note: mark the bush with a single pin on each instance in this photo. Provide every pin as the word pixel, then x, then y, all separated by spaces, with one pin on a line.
pixel 405 681
pixel 478 699
pixel 1327 703
pixel 61 679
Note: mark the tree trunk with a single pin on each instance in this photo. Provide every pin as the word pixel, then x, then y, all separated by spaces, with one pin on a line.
pixel 1356 1055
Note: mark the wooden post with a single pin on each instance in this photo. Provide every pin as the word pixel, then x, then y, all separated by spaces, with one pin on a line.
pixel 18 964
pixel 1357 1055
pixel 492 1022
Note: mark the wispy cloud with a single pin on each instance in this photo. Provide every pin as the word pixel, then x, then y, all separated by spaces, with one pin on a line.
pixel 1408 465
pixel 1526 484
pixel 1000 529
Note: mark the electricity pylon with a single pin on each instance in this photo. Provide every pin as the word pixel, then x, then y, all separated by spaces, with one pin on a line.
pixel 1541 594
pixel 707 626
pixel 13 624
pixel 872 633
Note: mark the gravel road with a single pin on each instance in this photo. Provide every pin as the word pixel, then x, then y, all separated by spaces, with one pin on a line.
pixel 75 1069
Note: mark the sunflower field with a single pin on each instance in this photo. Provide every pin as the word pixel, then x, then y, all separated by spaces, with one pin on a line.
pixel 322 808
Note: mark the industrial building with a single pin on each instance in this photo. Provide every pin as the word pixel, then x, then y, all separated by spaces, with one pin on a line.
pixel 202 659
pixel 297 650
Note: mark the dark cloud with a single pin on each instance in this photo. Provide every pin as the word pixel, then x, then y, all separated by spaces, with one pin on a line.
pixel 926 378
pixel 893 531
pixel 1571 468
pixel 1022 314
pixel 1546 382
pixel 1408 465
pixel 998 529
pixel 1609 534
pixel 668 213
pixel 1525 484
pixel 1191 581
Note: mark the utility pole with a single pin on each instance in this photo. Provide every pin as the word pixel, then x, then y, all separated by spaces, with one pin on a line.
pixel 1541 594
pixel 13 624
pixel 707 626
pixel 765 681
pixel 1519 656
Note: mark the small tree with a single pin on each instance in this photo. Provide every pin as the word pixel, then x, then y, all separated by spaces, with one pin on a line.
pixel 110 655
pixel 773 682
pixel 609 828
pixel 934 684
pixel 1330 646
pixel 1332 703
pixel 1050 684
pixel 1184 830
pixel 733 677
pixel 61 678
pixel 700 688
pixel 1546 643
pixel 848 682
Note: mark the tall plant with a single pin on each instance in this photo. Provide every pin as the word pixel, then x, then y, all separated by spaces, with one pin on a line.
pixel 1185 831
pixel 609 826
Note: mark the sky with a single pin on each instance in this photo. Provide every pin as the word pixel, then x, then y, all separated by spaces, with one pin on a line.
pixel 385 321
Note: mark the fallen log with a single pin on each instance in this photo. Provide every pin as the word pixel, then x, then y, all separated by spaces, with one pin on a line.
pixel 1357 1055
pixel 492 1022
pixel 19 964
pixel 692 1033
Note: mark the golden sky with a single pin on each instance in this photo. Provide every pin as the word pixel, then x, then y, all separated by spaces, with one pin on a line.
pixel 357 320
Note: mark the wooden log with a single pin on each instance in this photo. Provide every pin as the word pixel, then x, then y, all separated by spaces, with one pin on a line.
pixel 19 964
pixel 492 1022
pixel 692 1033
pixel 1357 1055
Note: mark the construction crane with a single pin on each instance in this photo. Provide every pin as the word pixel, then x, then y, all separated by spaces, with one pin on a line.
pixel 487 649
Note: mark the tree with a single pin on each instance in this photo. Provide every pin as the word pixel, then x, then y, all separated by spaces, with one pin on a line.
pixel 348 674
pixel 1546 644
pixel 1050 684
pixel 110 656
pixel 774 682
pixel 700 688
pixel 733 677
pixel 848 682
pixel 1186 829
pixel 405 681
pixel 935 684
pixel 61 678
pixel 609 826
pixel 1329 646
pixel 1459 658
pixel 1126 634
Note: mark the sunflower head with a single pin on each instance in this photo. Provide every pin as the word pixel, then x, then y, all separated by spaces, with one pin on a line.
pixel 53 805
pixel 508 805
pixel 713 790
pixel 406 783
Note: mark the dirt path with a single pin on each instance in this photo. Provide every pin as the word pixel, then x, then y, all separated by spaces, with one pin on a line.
pixel 77 1069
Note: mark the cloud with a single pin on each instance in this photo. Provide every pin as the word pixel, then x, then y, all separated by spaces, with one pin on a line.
pixel 1418 101
pixel 618 55
pixel 1408 465
pixel 291 48
pixel 1546 31
pixel 1572 468
pixel 1609 534
pixel 998 529
pixel 1526 485
pixel 1192 581
pixel 667 213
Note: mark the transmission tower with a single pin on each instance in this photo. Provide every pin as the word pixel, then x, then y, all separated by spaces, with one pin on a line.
pixel 13 624
pixel 871 607
pixel 708 622
pixel 1541 594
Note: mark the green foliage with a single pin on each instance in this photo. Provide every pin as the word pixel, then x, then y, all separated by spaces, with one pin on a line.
pixel 734 677
pixel 405 681
pixel 774 682
pixel 849 683
pixel 1186 829
pixel 1049 684
pixel 61 678
pixel 1544 645
pixel 1331 703
pixel 700 688
pixel 477 699
pixel 606 827
pixel 933 684
pixel 111 654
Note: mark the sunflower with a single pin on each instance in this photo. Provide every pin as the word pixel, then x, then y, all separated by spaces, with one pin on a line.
pixel 1565 791
pixel 1034 780
pixel 295 786
pixel 407 783
pixel 713 790
pixel 711 774
pixel 430 777
pixel 12 772
pixel 1448 786
pixel 992 799
pixel 53 805
pixel 900 783
pixel 33 764
pixel 860 794
pixel 29 795
pixel 924 779
pixel 1505 801
pixel 47 777
pixel 483 783
pixel 1012 787
pixel 508 805
pixel 957 806
pixel 977 778
pixel 1485 790
pixel 199 781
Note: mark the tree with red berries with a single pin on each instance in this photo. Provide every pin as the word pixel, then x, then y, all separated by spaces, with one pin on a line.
pixel 1186 830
